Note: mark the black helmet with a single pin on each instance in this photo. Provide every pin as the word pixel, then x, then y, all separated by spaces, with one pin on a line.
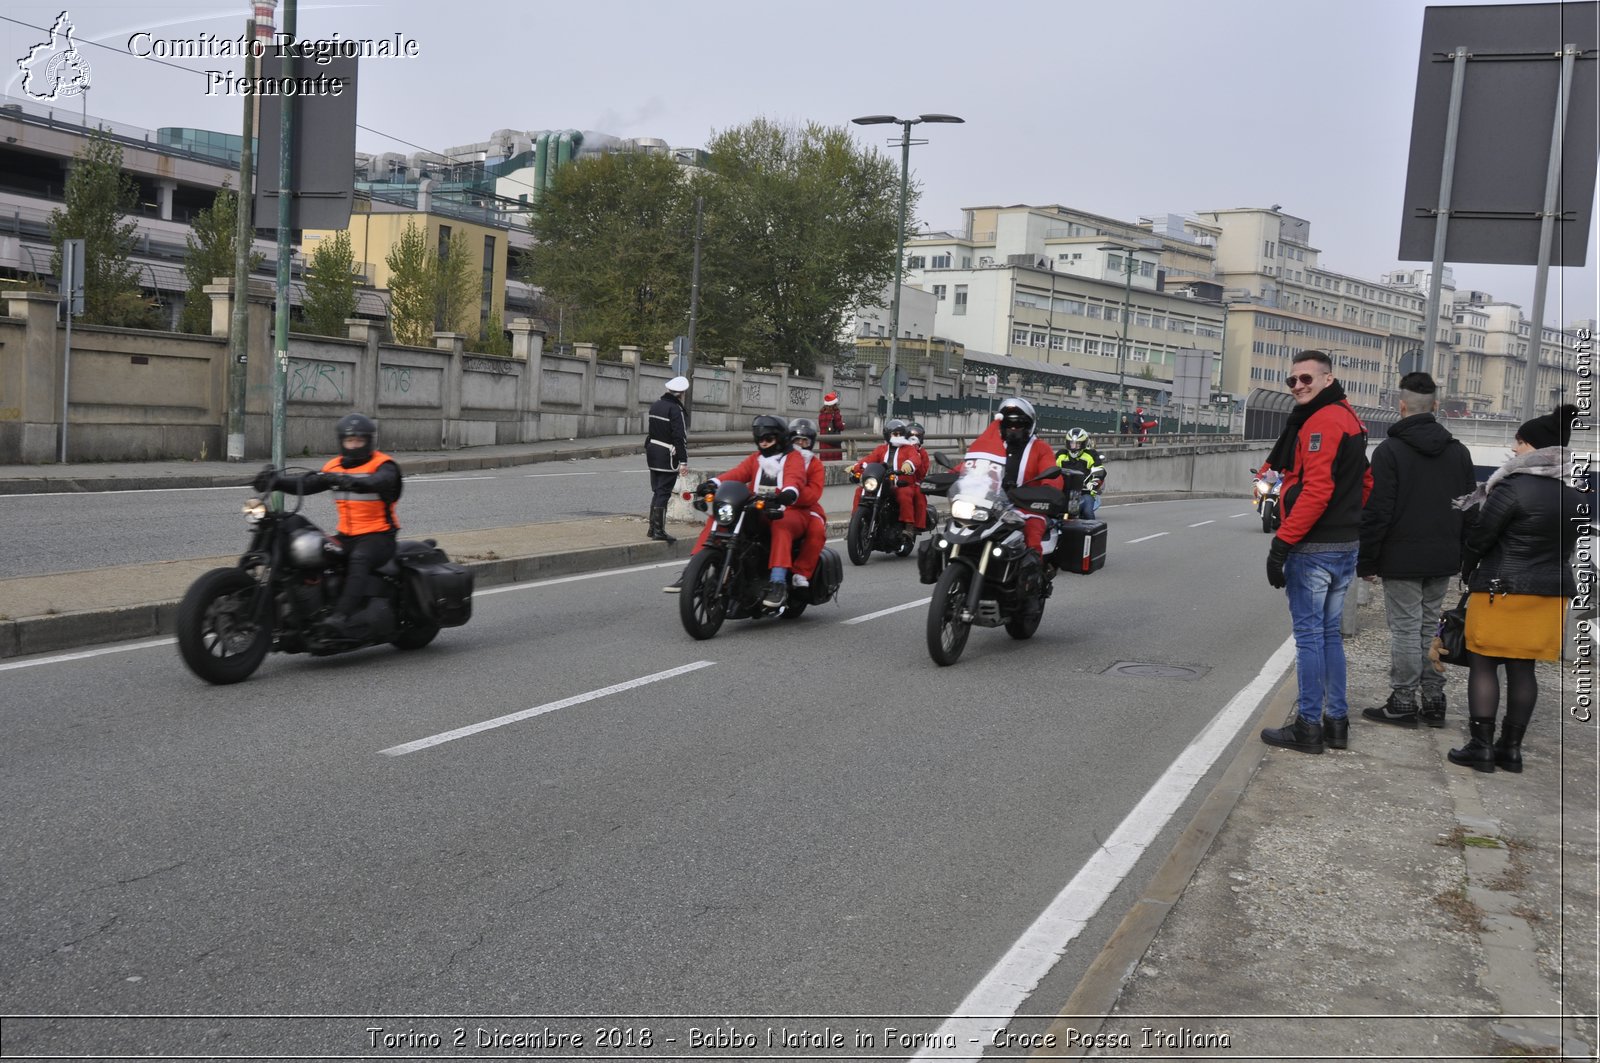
pixel 916 431
pixel 804 428
pixel 767 425
pixel 1016 420
pixel 356 425
pixel 891 426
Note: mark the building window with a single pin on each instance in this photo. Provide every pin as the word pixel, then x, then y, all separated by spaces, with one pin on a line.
pixel 1037 339
pixel 916 262
pixel 1091 346
pixel 941 261
pixel 961 299
pixel 1019 337
pixel 938 292
pixel 966 261
pixel 1147 269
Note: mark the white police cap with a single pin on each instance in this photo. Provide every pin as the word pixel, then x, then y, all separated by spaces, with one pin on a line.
pixel 678 385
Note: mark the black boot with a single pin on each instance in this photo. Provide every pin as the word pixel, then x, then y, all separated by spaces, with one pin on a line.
pixel 1508 747
pixel 1297 734
pixel 676 586
pixel 1432 712
pixel 1477 754
pixel 1336 732
pixel 658 525
pixel 1399 710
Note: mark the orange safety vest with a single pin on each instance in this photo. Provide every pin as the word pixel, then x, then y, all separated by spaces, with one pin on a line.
pixel 362 514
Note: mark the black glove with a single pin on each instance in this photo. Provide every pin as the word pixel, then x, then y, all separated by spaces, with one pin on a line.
pixel 338 481
pixel 705 487
pixel 1276 556
pixel 788 496
pixel 265 478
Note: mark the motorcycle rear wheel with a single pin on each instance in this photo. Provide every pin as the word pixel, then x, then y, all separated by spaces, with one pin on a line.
pixel 218 638
pixel 947 635
pixel 416 637
pixel 796 604
pixel 700 605
pixel 858 539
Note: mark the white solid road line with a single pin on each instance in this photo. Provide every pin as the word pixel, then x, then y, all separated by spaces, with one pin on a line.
pixel 1202 524
pixel 63 657
pixel 886 612
pixel 592 472
pixel 129 491
pixel 442 479
pixel 995 1000
pixel 1147 538
pixel 540 710
pixel 506 588
pixel 1236 516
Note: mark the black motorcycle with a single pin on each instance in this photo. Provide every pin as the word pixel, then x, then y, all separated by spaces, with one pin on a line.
pixel 975 560
pixel 288 581
pixel 728 578
pixel 876 524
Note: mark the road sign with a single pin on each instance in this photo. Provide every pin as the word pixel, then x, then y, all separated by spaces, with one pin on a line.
pixel 992 383
pixel 324 143
pixel 72 275
pixel 1221 398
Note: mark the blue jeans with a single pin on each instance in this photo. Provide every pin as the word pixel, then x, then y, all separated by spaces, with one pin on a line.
pixel 1317 581
pixel 1087 505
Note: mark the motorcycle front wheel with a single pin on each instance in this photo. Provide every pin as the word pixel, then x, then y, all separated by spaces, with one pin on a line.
pixel 1267 514
pixel 700 605
pixel 219 636
pixel 858 539
pixel 947 634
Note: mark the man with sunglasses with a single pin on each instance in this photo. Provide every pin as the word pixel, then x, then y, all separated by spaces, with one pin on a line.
pixel 1322 455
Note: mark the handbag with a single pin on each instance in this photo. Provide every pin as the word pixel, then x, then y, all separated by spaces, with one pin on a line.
pixel 1452 637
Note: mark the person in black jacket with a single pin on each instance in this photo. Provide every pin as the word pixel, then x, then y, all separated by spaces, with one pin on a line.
pixel 1516 563
pixel 1411 538
pixel 666 452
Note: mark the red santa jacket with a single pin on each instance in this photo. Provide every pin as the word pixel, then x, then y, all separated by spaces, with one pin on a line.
pixel 816 477
pixel 1037 457
pixel 769 473
pixel 902 454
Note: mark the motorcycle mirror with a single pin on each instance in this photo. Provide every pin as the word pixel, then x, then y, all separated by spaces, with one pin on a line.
pixel 939 457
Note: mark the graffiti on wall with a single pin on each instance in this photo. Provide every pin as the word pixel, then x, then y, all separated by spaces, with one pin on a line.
pixel 494 366
pixel 801 397
pixel 394 379
pixel 318 381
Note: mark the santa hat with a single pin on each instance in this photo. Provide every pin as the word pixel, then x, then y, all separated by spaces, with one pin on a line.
pixel 831 399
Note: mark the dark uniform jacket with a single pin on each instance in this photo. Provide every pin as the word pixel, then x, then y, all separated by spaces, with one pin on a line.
pixel 666 444
pixel 1524 537
pixel 1409 529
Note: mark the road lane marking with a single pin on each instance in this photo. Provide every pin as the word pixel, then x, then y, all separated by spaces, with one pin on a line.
pixel 63 657
pixel 540 710
pixel 1202 524
pixel 886 612
pixel 1147 538
pixel 1236 516
pixel 592 472
pixel 129 491
pixel 993 1003
pixel 442 479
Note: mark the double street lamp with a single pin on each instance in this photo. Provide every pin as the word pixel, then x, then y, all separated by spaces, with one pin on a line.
pixel 900 235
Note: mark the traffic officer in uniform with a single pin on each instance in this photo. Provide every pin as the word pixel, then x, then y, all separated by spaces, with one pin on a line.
pixel 666 449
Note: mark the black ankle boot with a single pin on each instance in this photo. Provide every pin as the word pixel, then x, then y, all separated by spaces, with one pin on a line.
pixel 1477 754
pixel 1508 747
pixel 1433 708
pixel 1336 733
pixel 1297 734
pixel 1398 710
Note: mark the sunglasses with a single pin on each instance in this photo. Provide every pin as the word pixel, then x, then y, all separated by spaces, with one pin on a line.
pixel 1304 380
pixel 768 439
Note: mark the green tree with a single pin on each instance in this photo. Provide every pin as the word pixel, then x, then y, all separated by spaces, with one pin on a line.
pixel 614 240
pixel 457 286
pixel 330 286
pixel 494 339
pixel 212 238
pixel 98 198
pixel 412 304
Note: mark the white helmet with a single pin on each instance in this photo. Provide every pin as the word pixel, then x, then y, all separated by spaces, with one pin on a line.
pixel 678 385
pixel 1077 439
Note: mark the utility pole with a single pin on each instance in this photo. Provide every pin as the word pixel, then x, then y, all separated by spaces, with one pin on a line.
pixel 280 328
pixel 694 304
pixel 244 236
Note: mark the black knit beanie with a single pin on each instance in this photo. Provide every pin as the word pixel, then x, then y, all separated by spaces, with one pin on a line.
pixel 1551 430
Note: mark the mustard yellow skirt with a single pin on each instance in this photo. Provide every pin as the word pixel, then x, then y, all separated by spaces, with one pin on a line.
pixel 1521 626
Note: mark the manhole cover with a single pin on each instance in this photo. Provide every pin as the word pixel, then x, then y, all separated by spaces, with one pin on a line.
pixel 1146 670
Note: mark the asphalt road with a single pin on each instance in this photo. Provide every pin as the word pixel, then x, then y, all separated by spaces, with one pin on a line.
pixel 802 818
pixel 47 533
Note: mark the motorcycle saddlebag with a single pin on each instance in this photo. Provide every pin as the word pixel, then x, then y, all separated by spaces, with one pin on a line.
pixel 826 579
pixel 441 591
pixel 1082 548
pixel 930 561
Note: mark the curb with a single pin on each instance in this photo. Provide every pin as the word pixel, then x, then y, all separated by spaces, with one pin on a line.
pixel 88 627
pixel 1097 992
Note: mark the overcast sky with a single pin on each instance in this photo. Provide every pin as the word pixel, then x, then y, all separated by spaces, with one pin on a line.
pixel 1125 109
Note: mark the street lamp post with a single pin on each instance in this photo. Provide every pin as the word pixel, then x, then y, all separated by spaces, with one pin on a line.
pixel 890 378
pixel 1128 266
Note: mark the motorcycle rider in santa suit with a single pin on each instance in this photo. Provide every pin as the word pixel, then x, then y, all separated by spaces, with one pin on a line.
pixel 775 470
pixel 809 551
pixel 369 484
pixel 905 457
pixel 1009 439
pixel 1080 456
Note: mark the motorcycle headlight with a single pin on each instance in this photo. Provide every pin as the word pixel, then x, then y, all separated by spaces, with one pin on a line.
pixel 725 513
pixel 254 510
pixel 963 509
pixel 869 484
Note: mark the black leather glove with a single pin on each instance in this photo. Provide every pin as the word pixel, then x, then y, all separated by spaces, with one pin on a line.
pixel 788 496
pixel 1276 556
pixel 705 487
pixel 265 478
